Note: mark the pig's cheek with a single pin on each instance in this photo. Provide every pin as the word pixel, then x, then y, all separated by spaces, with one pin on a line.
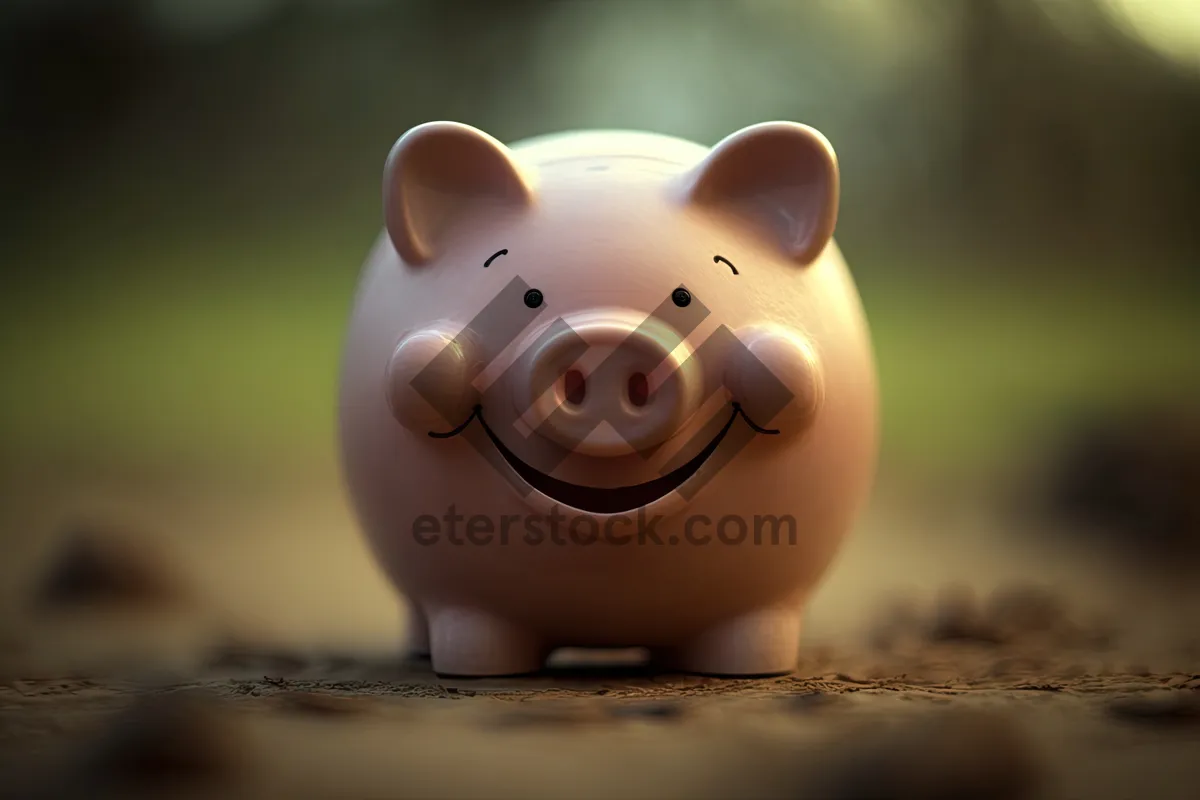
pixel 428 381
pixel 777 379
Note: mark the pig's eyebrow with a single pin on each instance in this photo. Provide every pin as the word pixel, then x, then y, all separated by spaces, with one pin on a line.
pixel 720 260
pixel 494 256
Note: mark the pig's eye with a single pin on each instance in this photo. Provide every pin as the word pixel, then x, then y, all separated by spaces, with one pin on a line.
pixel 681 297
pixel 533 298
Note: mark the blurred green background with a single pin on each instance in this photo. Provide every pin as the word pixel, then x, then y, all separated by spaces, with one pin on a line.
pixel 189 189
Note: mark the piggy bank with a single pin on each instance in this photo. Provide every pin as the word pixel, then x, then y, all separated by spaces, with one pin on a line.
pixel 608 389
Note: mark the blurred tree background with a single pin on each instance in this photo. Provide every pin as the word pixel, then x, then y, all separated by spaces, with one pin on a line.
pixel 188 189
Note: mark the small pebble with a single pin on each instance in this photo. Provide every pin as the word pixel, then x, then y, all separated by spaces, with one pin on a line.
pixel 940 755
pixel 897 623
pixel 548 713
pixel 177 738
pixel 957 617
pixel 656 710
pixel 812 701
pixel 321 703
pixel 1020 609
pixel 104 567
pixel 1179 707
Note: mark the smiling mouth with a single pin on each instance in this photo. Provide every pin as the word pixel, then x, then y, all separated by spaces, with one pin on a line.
pixel 605 501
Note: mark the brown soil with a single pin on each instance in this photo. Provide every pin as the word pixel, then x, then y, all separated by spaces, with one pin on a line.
pixel 949 718
pixel 117 682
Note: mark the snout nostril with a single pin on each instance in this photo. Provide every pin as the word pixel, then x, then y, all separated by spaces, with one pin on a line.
pixel 639 389
pixel 574 387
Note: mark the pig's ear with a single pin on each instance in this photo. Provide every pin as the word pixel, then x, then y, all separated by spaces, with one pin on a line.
pixel 780 177
pixel 440 175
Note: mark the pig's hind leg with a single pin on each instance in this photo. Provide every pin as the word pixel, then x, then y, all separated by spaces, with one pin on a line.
pixel 757 644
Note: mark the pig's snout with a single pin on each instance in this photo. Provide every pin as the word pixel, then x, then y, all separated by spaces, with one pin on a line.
pixel 776 378
pixel 607 384
pixel 429 380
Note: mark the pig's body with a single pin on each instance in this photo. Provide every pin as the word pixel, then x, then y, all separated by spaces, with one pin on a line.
pixel 607 226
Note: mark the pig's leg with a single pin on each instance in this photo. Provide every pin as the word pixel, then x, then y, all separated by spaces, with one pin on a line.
pixel 417 635
pixel 470 643
pixel 760 643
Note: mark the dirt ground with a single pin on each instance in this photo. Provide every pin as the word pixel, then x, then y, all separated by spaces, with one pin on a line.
pixel 276 725
pixel 1000 675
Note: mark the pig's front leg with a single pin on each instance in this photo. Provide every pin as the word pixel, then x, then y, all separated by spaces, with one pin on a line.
pixel 756 644
pixel 470 643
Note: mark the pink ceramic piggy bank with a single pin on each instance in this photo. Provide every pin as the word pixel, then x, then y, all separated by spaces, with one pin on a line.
pixel 611 390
